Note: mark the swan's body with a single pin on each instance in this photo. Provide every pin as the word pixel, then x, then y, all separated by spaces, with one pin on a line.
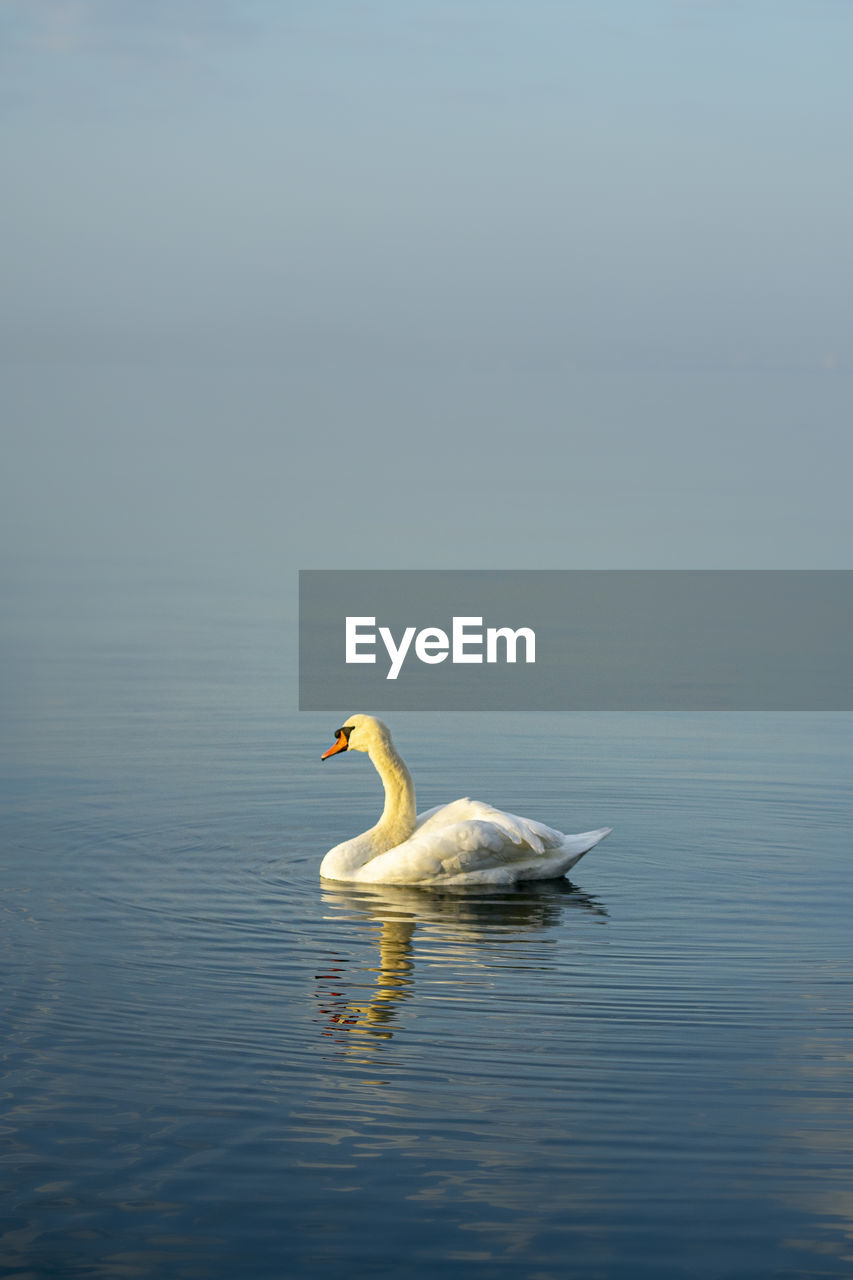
pixel 463 843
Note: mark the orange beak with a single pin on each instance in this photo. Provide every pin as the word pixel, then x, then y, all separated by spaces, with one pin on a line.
pixel 340 744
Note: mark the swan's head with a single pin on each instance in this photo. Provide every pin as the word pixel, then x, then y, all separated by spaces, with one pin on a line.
pixel 359 733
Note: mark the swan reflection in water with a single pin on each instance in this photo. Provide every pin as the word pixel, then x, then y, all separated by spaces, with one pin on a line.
pixel 462 922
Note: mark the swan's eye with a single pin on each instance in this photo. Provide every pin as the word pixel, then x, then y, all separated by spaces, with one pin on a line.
pixel 346 731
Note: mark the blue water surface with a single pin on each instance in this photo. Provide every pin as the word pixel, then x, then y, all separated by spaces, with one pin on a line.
pixel 216 1066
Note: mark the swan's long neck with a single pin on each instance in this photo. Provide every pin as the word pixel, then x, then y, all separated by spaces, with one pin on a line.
pixel 398 817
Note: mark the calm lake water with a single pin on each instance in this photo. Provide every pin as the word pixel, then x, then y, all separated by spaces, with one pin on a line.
pixel 215 1066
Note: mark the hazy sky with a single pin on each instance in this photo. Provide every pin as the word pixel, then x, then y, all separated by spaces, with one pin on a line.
pixel 555 284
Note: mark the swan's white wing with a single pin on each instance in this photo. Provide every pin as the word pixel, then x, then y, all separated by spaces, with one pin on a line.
pixel 519 831
pixel 471 842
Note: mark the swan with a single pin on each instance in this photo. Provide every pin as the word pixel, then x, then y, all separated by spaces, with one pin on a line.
pixel 462 843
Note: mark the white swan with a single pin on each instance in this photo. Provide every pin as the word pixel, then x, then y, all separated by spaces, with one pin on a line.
pixel 463 843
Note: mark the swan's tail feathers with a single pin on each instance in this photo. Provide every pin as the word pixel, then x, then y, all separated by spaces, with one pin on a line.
pixel 574 847
pixel 585 841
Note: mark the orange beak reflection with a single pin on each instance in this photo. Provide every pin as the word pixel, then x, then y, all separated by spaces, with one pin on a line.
pixel 340 744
